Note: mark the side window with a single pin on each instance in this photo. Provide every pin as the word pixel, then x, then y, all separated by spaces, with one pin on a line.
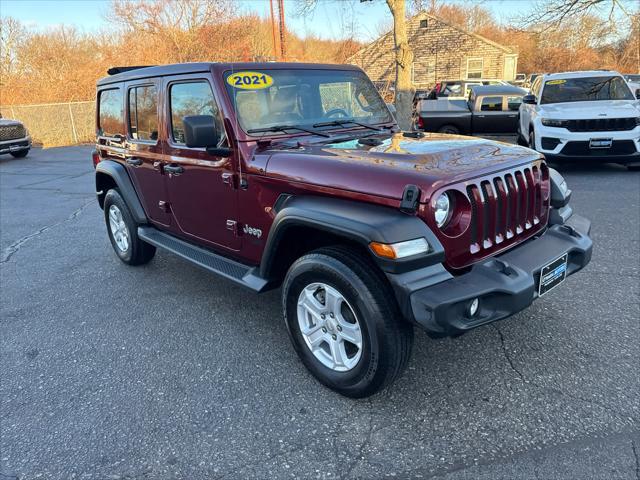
pixel 491 104
pixel 111 113
pixel 513 103
pixel 193 98
pixel 143 113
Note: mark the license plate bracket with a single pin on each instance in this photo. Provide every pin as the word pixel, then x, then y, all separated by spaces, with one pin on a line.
pixel 552 275
pixel 596 143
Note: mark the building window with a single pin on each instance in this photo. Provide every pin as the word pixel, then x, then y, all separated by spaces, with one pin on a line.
pixel 424 23
pixel 474 67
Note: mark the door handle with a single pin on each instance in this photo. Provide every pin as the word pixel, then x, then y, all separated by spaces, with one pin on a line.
pixel 173 169
pixel 480 116
pixel 134 161
pixel 227 178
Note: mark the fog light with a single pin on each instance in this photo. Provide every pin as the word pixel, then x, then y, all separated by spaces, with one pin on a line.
pixel 472 309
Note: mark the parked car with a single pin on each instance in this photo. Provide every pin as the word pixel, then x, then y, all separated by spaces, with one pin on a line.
pixel 489 109
pixel 634 82
pixel 296 176
pixel 519 80
pixel 582 115
pixel 14 138
pixel 459 88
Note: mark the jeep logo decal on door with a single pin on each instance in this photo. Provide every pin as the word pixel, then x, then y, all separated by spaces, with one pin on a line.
pixel 256 232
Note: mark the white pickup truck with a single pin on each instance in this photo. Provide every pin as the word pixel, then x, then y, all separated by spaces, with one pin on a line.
pixel 582 116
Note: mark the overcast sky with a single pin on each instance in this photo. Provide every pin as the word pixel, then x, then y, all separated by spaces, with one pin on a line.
pixel 327 20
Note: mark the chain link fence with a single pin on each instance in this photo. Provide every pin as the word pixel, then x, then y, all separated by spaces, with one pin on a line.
pixel 56 124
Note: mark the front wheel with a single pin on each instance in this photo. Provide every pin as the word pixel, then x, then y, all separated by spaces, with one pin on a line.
pixel 344 321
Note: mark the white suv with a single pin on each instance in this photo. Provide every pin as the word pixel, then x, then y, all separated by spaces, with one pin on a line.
pixel 582 115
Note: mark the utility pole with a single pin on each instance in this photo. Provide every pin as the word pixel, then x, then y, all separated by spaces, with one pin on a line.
pixel 273 31
pixel 283 48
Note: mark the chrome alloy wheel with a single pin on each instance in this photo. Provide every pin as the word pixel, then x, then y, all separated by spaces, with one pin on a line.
pixel 329 327
pixel 119 229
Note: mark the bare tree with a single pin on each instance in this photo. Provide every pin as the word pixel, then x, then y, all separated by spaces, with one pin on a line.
pixel 404 90
pixel 11 33
pixel 404 63
pixel 552 13
pixel 178 24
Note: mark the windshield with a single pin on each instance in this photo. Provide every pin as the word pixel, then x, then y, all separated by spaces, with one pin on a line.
pixel 585 90
pixel 269 98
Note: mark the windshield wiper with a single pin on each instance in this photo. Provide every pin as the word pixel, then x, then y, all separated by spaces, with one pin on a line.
pixel 347 121
pixel 284 128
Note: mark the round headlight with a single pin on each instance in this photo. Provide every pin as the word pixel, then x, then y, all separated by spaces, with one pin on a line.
pixel 441 212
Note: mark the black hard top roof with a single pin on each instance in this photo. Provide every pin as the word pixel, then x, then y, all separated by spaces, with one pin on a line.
pixel 186 68
pixel 497 90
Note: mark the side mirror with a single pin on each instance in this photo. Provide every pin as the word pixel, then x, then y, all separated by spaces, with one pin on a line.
pixel 638 93
pixel 200 131
pixel 529 99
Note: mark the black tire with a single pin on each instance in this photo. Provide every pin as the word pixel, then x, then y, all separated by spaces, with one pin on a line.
pixel 633 168
pixel 20 153
pixel 387 338
pixel 449 129
pixel 532 139
pixel 521 141
pixel 138 252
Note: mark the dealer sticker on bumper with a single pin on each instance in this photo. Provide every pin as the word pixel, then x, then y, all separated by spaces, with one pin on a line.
pixel 553 274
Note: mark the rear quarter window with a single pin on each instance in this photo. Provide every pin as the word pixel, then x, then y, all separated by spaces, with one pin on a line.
pixel 491 104
pixel 111 113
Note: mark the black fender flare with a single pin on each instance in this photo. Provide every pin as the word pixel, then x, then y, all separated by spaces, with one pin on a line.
pixel 356 221
pixel 120 177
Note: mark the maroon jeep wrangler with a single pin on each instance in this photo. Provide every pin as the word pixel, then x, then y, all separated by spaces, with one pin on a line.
pixel 297 176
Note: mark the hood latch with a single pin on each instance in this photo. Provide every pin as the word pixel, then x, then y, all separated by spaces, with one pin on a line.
pixel 410 199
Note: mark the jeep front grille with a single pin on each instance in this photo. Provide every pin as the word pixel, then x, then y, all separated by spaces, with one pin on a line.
pixel 507 207
pixel 11 132
pixel 601 125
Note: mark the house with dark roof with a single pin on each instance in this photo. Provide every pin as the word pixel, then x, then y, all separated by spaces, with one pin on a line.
pixel 441 51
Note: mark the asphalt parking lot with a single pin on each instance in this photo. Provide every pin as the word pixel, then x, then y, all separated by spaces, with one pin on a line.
pixel 163 371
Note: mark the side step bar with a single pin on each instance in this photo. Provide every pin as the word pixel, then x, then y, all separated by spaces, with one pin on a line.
pixel 230 269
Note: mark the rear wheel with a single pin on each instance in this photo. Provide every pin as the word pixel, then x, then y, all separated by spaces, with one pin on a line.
pixel 450 129
pixel 123 231
pixel 20 153
pixel 344 321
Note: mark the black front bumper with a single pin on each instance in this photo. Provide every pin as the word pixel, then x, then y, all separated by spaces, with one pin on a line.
pixel 17 145
pixel 504 285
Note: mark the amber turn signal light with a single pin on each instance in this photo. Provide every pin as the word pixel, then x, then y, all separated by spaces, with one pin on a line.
pixel 383 250
pixel 395 251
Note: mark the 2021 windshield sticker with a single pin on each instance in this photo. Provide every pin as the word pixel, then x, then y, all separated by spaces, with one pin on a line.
pixel 250 80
